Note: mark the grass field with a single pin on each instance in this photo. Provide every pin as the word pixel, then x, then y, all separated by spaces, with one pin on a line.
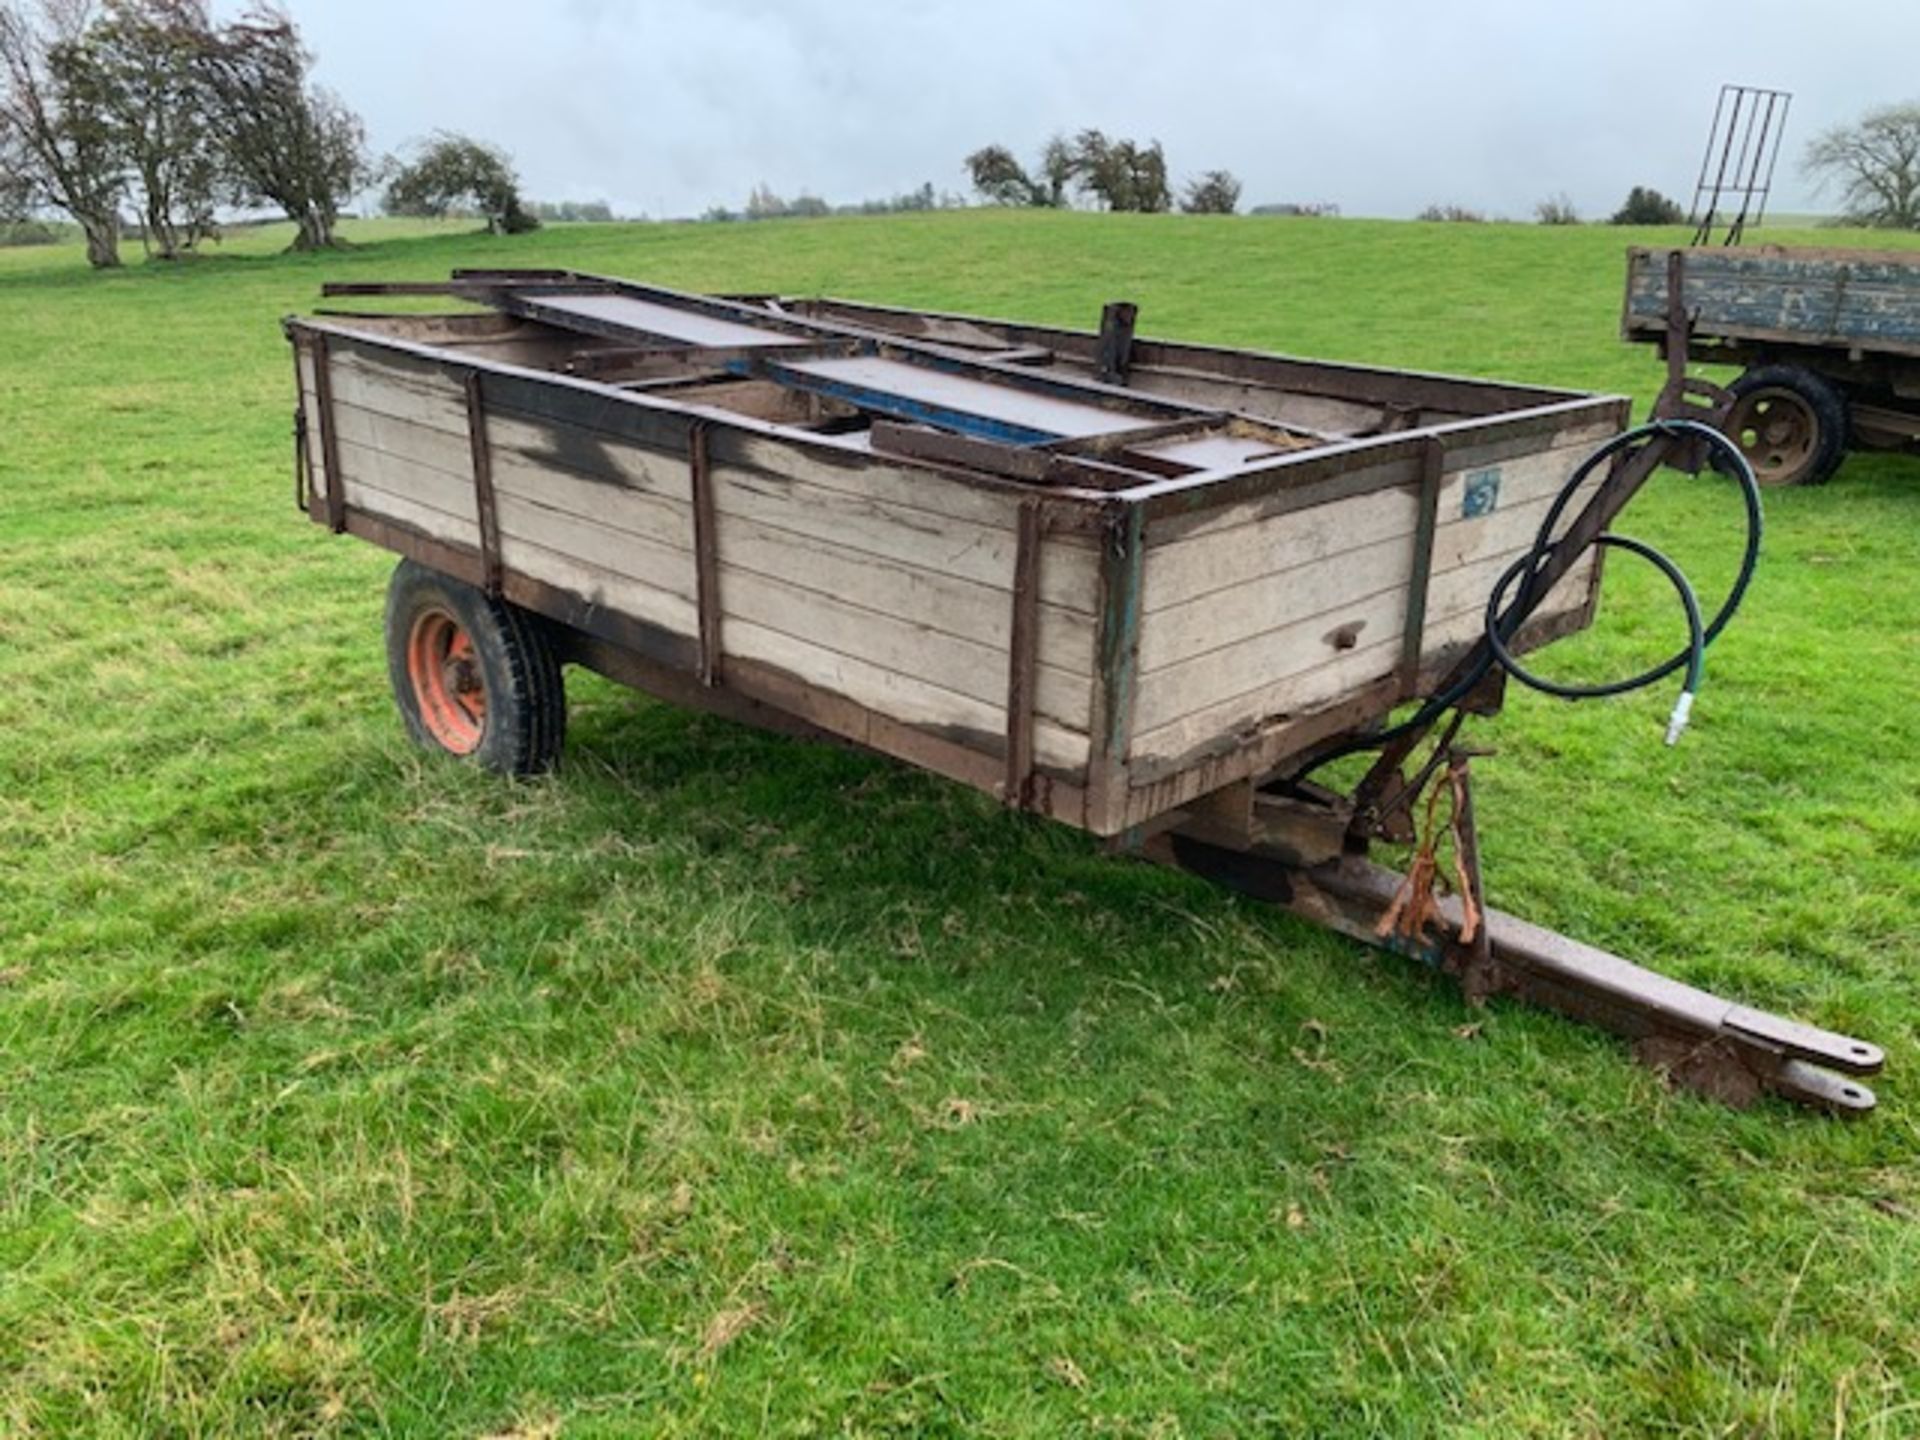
pixel 726 1085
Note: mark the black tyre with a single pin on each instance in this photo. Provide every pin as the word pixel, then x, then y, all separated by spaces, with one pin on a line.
pixel 1790 423
pixel 473 677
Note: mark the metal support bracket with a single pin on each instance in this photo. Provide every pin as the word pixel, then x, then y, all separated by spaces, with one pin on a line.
pixel 485 508
pixel 336 496
pixel 706 551
pixel 1686 397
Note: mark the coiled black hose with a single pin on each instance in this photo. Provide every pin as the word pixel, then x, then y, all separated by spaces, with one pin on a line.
pixel 1504 617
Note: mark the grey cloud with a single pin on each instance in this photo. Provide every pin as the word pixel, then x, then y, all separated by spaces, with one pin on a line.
pixel 669 106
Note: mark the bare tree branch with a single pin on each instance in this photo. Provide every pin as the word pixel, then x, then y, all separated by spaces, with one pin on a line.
pixel 1876 164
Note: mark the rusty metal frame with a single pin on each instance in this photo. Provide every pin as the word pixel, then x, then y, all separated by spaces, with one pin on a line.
pixel 1739 176
pixel 1433 467
pixel 336 496
pixel 706 551
pixel 485 505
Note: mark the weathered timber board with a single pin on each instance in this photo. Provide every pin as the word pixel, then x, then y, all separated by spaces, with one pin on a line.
pixel 1863 300
pixel 896 602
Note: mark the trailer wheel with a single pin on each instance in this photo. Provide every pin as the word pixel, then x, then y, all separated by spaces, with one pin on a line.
pixel 1790 423
pixel 473 677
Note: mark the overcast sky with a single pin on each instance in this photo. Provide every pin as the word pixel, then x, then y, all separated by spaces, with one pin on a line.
pixel 668 107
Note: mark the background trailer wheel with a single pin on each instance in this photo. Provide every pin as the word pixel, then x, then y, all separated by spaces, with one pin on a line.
pixel 473 676
pixel 1790 423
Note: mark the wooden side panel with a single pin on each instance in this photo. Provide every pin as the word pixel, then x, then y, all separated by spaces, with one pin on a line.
pixel 875 583
pixel 908 612
pixel 1252 618
pixel 1865 299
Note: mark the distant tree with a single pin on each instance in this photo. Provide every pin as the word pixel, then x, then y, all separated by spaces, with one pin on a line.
pixel 1456 214
pixel 1647 206
pixel 572 212
pixel 136 70
pixel 287 141
pixel 1310 209
pixel 1876 163
pixel 1056 173
pixel 1556 210
pixel 763 204
pixel 28 232
pixel 54 148
pixel 1121 174
pixel 1214 193
pixel 1004 181
pixel 1117 174
pixel 453 173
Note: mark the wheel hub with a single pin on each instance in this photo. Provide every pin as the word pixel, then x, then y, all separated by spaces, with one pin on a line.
pixel 447 682
pixel 1776 430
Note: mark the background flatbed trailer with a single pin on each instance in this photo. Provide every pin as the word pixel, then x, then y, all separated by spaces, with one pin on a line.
pixel 1828 341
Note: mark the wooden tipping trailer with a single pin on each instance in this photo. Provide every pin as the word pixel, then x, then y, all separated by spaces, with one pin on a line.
pixel 1131 585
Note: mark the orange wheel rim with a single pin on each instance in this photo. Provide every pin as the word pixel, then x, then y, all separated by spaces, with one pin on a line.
pixel 445 674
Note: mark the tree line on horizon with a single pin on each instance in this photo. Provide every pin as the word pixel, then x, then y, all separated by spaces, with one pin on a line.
pixel 1114 173
pixel 150 104
pixel 152 107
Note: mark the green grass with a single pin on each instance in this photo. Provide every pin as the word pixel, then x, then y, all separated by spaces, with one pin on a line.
pixel 722 1084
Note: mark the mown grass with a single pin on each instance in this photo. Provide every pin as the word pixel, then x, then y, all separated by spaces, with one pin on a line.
pixel 722 1084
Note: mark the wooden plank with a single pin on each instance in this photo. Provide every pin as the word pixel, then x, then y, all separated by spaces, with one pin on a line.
pixel 1296 565
pixel 968 609
pixel 883 641
pixel 1057 794
pixel 530 459
pixel 619 506
pixel 601 587
pixel 1220 682
pixel 396 475
pixel 1305 664
pixel 638 558
pixel 978 724
pixel 435 524
pixel 875 525
pixel 1255 548
pixel 897 483
pixel 616 506
pixel 1313 588
pixel 426 397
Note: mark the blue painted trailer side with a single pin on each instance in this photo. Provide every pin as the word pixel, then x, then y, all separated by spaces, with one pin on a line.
pixel 1866 301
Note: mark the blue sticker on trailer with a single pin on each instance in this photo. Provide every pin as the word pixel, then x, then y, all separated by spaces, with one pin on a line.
pixel 1483 493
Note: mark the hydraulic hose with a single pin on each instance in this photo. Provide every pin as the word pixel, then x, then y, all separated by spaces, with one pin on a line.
pixel 1505 616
